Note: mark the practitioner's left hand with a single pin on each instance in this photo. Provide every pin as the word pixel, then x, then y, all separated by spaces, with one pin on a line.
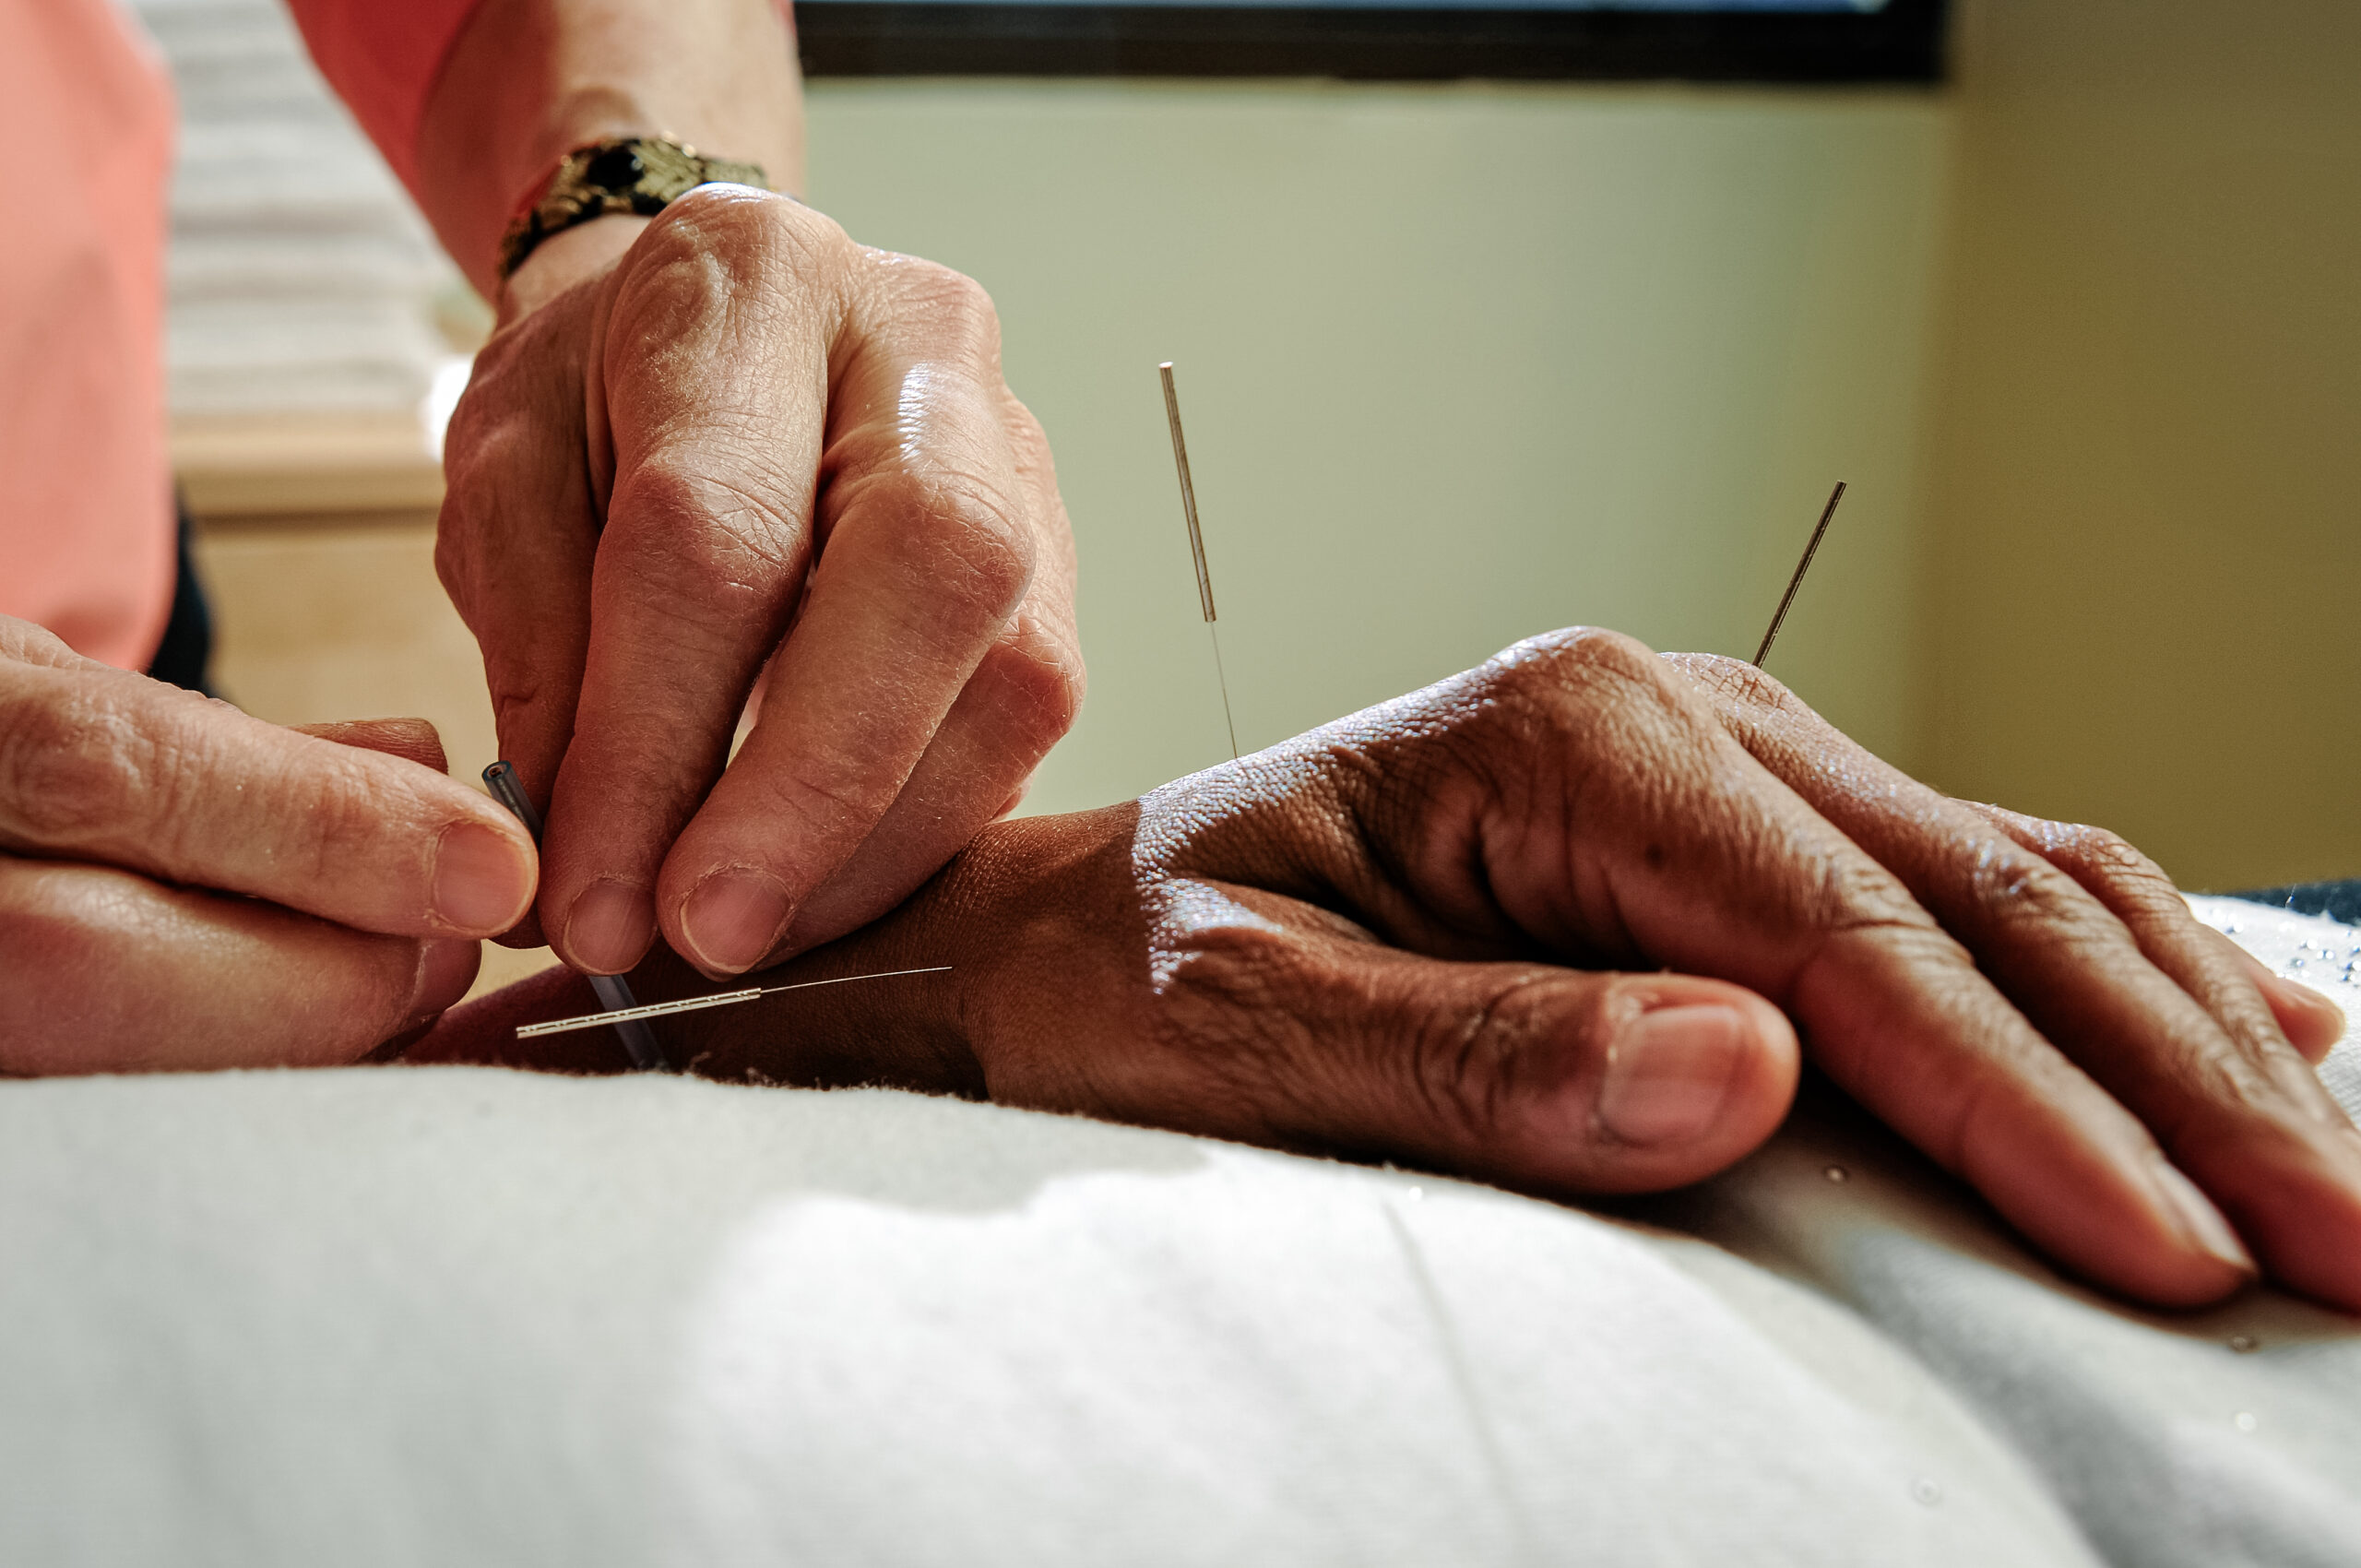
pixel 183 885
pixel 1548 923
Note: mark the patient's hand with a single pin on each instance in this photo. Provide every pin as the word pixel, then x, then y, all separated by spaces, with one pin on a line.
pixel 1546 923
pixel 181 885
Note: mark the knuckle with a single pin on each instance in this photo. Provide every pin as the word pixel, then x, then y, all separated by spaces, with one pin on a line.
pixel 949 299
pixel 516 696
pixel 700 222
pixel 968 306
pixel 708 533
pixel 27 643
pixel 1845 894
pixel 704 208
pixel 482 444
pixel 454 553
pixel 73 766
pixel 716 236
pixel 825 795
pixel 478 421
pixel 1587 660
pixel 2075 876
pixel 509 498
pixel 975 549
pixel 459 558
pixel 949 309
pixel 2120 877
pixel 335 813
pixel 1464 1065
pixel 2024 889
pixel 1036 691
pixel 994 554
pixel 734 210
pixel 1733 681
pixel 1228 990
pixel 524 384
pixel 2109 856
pixel 1596 647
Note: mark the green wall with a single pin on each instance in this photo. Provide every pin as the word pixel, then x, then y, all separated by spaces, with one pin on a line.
pixel 1459 364
pixel 2145 515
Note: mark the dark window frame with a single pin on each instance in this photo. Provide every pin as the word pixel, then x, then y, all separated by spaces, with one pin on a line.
pixel 1901 42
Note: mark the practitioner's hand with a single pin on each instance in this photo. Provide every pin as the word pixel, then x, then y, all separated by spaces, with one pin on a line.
pixel 1399 935
pixel 730 446
pixel 183 886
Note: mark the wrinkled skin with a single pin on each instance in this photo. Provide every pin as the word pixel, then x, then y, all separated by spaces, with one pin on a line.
pixel 731 456
pixel 1558 922
pixel 183 886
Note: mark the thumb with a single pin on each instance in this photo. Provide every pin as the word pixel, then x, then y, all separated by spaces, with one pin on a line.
pixel 1535 1076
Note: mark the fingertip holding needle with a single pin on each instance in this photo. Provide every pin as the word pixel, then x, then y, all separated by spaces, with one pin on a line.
pixel 502 780
pixel 1196 544
pixel 622 1008
pixel 1797 580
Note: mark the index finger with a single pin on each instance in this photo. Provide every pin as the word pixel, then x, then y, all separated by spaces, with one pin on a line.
pixel 928 557
pixel 103 765
pixel 709 387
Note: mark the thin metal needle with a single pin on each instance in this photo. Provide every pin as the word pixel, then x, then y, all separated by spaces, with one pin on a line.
pixel 1801 567
pixel 1197 544
pixel 692 1003
pixel 1222 676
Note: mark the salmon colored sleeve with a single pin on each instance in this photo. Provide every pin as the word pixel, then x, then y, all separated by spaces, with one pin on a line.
pixel 85 499
pixel 381 56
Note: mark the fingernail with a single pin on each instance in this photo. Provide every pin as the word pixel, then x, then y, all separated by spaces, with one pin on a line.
pixel 2201 1221
pixel 2301 995
pixel 1669 1073
pixel 733 918
pixel 611 927
pixel 444 971
pixel 482 878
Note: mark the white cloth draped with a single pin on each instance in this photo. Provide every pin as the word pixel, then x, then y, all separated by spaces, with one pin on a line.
pixel 451 1316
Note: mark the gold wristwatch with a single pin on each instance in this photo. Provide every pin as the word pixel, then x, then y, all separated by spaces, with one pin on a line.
pixel 641 174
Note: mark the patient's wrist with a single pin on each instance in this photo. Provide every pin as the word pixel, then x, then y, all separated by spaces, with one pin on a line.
pixel 1025 911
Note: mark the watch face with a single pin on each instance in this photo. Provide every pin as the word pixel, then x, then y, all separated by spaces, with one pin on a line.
pixel 617 168
pixel 640 174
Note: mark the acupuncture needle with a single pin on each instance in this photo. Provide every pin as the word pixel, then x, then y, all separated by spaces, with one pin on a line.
pixel 622 1008
pixel 1197 544
pixel 1801 567
pixel 631 1017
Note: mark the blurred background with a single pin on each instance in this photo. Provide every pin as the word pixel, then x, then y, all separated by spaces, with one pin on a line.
pixel 1467 360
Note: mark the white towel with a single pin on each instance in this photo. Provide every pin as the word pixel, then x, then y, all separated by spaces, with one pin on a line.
pixel 459 1316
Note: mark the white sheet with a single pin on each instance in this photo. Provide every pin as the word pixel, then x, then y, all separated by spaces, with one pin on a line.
pixel 410 1315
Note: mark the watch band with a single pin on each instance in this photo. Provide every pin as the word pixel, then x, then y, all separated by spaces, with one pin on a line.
pixel 639 174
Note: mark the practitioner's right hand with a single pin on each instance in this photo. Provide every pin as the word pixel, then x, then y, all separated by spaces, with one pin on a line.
pixel 185 886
